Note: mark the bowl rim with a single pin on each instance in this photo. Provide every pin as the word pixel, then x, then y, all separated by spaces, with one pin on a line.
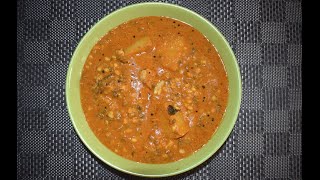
pixel 236 105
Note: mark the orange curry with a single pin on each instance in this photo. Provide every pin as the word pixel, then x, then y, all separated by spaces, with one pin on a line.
pixel 154 90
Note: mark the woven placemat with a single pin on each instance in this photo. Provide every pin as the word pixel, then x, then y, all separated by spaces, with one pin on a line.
pixel 266 38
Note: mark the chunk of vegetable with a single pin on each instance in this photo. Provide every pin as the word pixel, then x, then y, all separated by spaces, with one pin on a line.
pixel 140 45
pixel 180 125
pixel 157 90
pixel 143 75
pixel 171 53
pixel 147 77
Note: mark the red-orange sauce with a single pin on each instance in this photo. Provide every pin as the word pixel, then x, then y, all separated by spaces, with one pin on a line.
pixel 154 90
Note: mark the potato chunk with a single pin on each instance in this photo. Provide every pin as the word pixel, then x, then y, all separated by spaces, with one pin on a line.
pixel 180 124
pixel 172 52
pixel 157 90
pixel 140 45
pixel 147 77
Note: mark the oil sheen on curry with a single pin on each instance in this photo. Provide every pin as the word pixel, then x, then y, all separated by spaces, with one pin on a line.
pixel 154 90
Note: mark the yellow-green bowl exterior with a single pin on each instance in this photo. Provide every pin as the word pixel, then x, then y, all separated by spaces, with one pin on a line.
pixel 73 89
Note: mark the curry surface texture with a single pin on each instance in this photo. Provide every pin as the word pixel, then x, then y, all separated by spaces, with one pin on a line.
pixel 154 90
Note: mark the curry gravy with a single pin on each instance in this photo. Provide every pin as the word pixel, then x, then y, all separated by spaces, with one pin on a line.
pixel 154 90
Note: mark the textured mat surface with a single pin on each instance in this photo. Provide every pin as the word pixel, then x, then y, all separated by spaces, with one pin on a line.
pixel 266 38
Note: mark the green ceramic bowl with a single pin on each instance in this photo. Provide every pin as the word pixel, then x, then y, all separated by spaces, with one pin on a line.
pixel 73 89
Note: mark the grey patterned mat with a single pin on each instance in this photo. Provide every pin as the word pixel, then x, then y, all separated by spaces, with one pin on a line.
pixel 266 38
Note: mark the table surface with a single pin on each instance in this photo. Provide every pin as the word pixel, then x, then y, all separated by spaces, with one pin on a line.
pixel 266 38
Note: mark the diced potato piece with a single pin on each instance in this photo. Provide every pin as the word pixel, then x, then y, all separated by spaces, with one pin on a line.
pixel 139 46
pixel 171 53
pixel 214 98
pixel 134 139
pixel 157 90
pixel 110 114
pixel 106 58
pixel 147 77
pixel 120 52
pixel 180 125
pixel 143 75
